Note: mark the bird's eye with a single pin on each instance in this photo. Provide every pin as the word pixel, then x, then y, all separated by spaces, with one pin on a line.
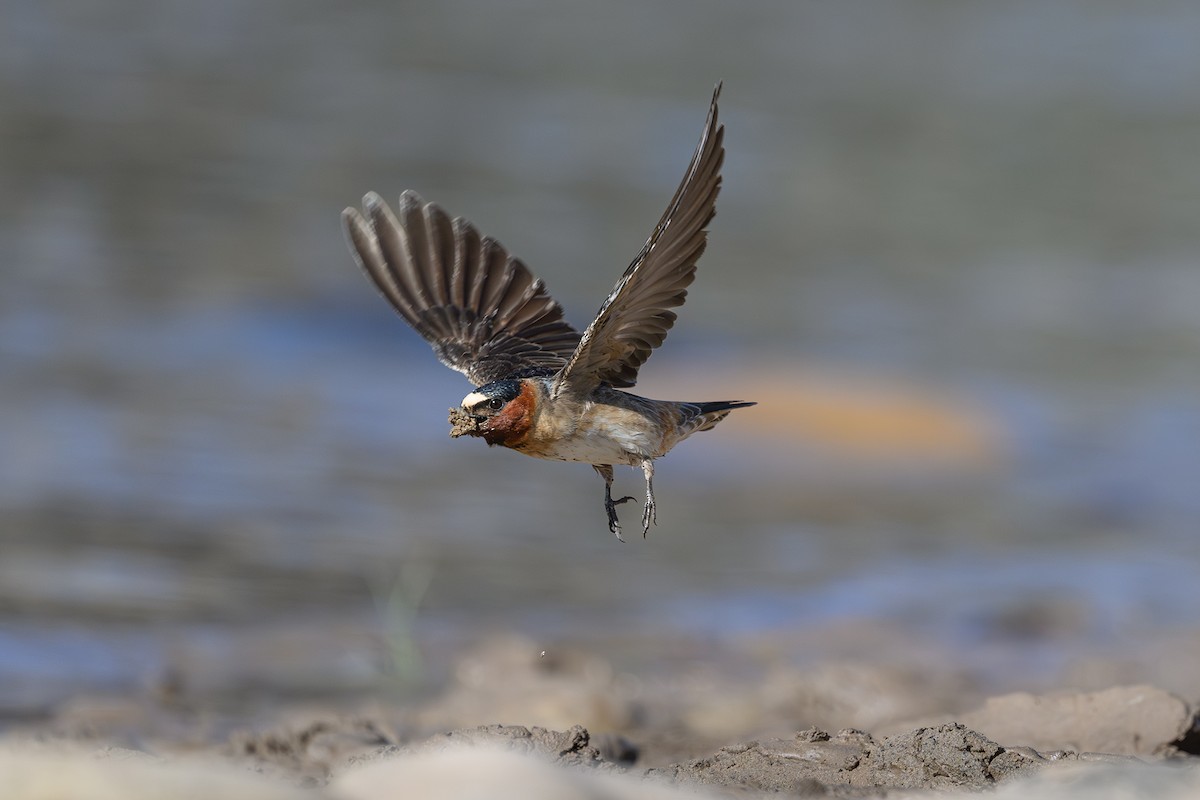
pixel 495 404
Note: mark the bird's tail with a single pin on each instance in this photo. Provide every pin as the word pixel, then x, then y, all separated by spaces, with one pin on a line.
pixel 705 416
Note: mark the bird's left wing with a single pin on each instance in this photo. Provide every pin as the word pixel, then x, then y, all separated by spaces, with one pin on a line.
pixel 481 309
pixel 636 317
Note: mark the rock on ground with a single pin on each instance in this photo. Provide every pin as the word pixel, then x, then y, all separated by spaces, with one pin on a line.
pixel 1130 720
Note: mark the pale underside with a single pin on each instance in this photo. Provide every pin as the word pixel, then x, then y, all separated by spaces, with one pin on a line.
pixel 601 434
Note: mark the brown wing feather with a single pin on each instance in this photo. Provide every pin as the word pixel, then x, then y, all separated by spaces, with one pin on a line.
pixel 481 309
pixel 636 317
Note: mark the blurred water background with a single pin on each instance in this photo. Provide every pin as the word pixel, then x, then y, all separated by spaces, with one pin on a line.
pixel 955 259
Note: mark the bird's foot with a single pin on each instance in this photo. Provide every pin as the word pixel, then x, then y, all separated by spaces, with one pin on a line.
pixel 649 516
pixel 610 506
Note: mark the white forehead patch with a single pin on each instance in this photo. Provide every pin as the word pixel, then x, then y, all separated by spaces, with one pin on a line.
pixel 474 399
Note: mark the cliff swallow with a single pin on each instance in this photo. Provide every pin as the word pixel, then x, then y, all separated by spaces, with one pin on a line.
pixel 544 389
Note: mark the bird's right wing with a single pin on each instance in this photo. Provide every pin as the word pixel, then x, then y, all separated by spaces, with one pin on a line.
pixel 481 309
pixel 636 316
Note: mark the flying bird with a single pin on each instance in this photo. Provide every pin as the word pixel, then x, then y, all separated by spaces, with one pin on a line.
pixel 544 389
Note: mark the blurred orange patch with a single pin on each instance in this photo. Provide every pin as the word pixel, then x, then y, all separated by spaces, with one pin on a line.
pixel 860 416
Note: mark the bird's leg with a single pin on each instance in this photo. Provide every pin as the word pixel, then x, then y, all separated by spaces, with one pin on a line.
pixel 648 515
pixel 610 506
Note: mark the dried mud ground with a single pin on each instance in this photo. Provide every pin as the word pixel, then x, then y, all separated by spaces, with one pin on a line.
pixel 513 721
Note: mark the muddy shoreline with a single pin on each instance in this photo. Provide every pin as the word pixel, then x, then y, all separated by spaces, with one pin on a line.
pixel 569 724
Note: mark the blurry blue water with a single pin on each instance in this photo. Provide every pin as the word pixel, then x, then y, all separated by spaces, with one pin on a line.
pixel 960 596
pixel 40 667
pixel 361 472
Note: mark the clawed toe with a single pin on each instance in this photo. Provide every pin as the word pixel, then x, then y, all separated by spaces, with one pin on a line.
pixel 610 506
pixel 649 516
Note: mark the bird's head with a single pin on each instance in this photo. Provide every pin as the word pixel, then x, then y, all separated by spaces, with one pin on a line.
pixel 500 412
